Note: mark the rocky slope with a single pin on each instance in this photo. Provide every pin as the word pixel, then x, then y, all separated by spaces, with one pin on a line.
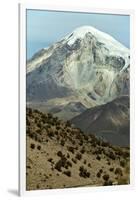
pixel 60 156
pixel 109 121
pixel 86 67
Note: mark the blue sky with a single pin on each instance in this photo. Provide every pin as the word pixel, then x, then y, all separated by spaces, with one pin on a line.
pixel 47 27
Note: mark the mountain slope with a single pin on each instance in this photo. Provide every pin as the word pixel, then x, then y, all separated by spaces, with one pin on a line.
pixel 87 64
pixel 60 156
pixel 109 121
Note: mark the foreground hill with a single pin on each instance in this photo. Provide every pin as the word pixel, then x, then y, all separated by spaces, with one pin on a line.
pixel 60 156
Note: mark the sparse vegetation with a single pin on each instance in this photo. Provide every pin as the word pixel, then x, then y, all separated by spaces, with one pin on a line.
pixel 98 174
pixel 89 165
pixel 106 177
pixel 50 160
pixel 118 171
pixel 32 146
pixel 67 173
pixel 109 182
pixel 122 163
pixel 111 169
pixel 62 142
pixel 71 149
pixel 59 153
pixel 39 147
pixel 84 173
pixel 78 156
pixel 74 160
pixel 68 156
pixel 85 161
pixel 64 149
pixel 98 157
pixel 82 150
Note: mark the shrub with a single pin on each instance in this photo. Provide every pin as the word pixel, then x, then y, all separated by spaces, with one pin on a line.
pixel 58 166
pixel 122 163
pixel 74 160
pixel 39 125
pixel 68 130
pixel 98 157
pixel 32 146
pixel 49 115
pixel 78 156
pixel 89 165
pixel 111 169
pixel 67 173
pixel 98 174
pixel 39 147
pixel 37 111
pixel 66 166
pixel 58 138
pixel 73 142
pixel 98 151
pixel 37 186
pixel 27 122
pixel 106 177
pixel 50 134
pixel 59 153
pixel 68 123
pixel 29 111
pixel 61 163
pixel 98 142
pixel 68 156
pixel 82 150
pixel 109 182
pixel 31 134
pixel 86 137
pixel 35 137
pixel 101 171
pixel 69 163
pixel 48 126
pixel 50 160
pixel 78 137
pixel 85 162
pixel 111 155
pixel 52 123
pixel 118 171
pixel 81 142
pixel 62 142
pixel 105 144
pixel 58 127
pixel 71 149
pixel 39 131
pixel 56 132
pixel 76 148
pixel 84 173
pixel 94 144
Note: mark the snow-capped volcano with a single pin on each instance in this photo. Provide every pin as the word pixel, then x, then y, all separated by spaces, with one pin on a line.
pixel 79 33
pixel 88 66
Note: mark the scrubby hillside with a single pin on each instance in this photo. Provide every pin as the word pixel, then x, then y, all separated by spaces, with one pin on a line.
pixel 60 156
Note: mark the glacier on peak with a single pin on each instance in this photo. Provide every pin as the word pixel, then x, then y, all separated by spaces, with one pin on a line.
pixel 103 37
